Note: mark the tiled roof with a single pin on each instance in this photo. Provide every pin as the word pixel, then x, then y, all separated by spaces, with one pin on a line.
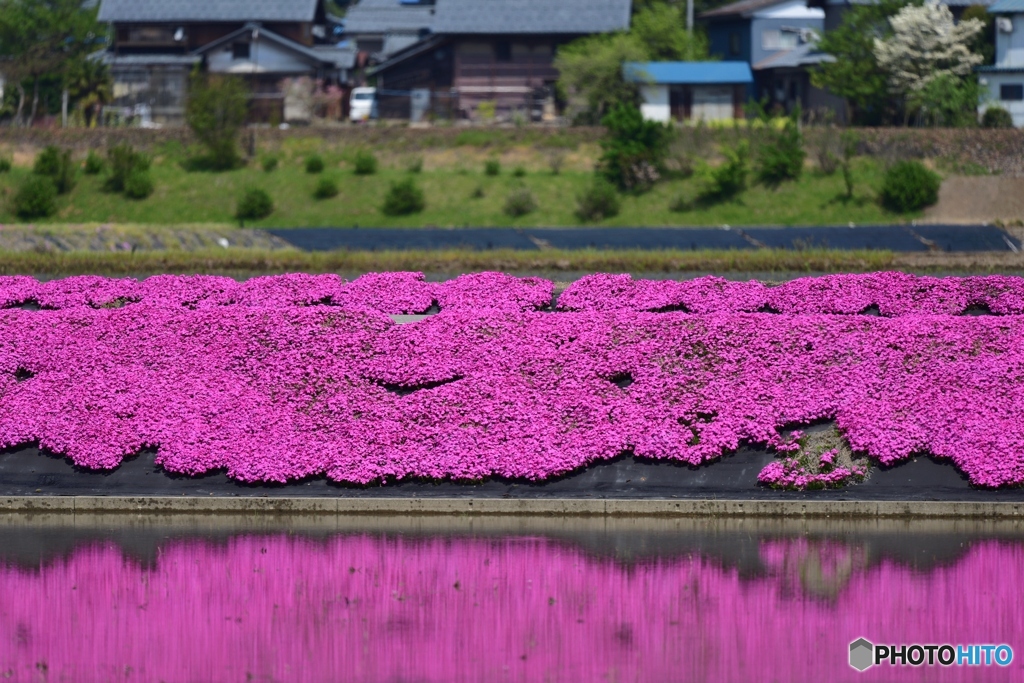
pixel 207 10
pixel 387 16
pixel 531 16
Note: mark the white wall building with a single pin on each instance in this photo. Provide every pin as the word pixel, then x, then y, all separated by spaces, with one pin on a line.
pixel 1004 81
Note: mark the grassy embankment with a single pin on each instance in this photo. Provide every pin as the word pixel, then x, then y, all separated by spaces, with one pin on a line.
pixel 453 181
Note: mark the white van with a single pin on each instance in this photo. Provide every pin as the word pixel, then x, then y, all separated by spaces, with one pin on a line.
pixel 363 104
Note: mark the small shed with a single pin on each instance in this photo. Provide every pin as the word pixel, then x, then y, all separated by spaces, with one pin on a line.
pixel 685 91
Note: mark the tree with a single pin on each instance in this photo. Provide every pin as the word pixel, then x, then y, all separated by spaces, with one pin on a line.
pixel 949 101
pixel 854 74
pixel 634 149
pixel 90 87
pixel 43 37
pixel 984 43
pixel 590 68
pixel 216 111
pixel 926 45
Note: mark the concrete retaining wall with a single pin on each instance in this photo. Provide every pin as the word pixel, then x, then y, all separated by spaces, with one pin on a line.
pixel 510 506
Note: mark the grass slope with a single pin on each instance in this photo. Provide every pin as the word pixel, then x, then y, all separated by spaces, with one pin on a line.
pixel 449 186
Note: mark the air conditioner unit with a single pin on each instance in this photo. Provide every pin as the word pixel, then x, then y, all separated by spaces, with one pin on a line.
pixel 1004 24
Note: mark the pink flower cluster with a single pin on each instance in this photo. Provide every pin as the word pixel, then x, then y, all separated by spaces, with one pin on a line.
pixel 394 293
pixel 893 293
pixel 282 390
pixel 790 473
pixel 366 608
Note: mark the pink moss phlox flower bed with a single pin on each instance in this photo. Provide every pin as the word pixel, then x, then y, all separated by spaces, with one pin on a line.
pixel 893 293
pixel 371 608
pixel 255 379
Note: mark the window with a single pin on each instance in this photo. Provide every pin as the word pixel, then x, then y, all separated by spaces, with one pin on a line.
pixel 774 39
pixel 503 51
pixel 1011 92
pixel 240 51
pixel 734 43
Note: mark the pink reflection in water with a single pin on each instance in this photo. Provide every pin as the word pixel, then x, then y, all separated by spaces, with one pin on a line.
pixel 366 608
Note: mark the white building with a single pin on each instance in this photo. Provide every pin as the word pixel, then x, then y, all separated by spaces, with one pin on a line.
pixel 690 91
pixel 1004 80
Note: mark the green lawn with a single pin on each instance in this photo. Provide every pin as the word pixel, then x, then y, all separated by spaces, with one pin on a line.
pixel 197 197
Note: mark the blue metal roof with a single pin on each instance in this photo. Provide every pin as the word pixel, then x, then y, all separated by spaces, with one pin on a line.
pixel 688 73
pixel 1006 6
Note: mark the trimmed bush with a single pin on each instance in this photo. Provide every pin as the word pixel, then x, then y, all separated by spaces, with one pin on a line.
pixel 599 201
pixel 315 164
pixel 5 165
pixel 325 189
pixel 94 164
pixel 519 172
pixel 48 162
pixel 57 164
pixel 519 203
pixel 124 161
pixel 36 198
pixel 729 179
pixel 996 117
pixel 478 192
pixel 910 186
pixel 634 149
pixel 403 198
pixel 782 158
pixel 270 163
pixel 365 163
pixel 492 167
pixel 253 205
pixel 138 185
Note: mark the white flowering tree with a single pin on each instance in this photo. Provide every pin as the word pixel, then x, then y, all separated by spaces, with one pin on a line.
pixel 926 47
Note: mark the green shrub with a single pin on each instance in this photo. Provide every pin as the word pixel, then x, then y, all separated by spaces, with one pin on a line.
pixel 634 149
pixel 492 167
pixel 415 165
pixel 478 192
pixel 730 178
pixel 36 198
pixel 5 165
pixel 270 163
pixel 57 164
pixel 325 189
pixel 124 161
pixel 315 164
pixel 216 109
pixel 365 163
pixel 909 186
pixel 48 162
pixel 519 203
pixel 253 205
pixel 403 198
pixel 94 163
pixel 996 117
pixel 138 185
pixel 599 201
pixel 519 172
pixel 782 157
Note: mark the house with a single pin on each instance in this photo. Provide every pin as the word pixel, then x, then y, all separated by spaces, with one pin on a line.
pixel 777 38
pixel 1004 80
pixel 156 44
pixel 685 91
pixel 486 58
pixel 380 28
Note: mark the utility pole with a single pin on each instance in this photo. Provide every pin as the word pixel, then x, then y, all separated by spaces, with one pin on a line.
pixel 689 15
pixel 64 108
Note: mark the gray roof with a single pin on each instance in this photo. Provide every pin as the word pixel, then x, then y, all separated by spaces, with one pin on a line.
pixel 743 8
pixel 112 59
pixel 1006 6
pixel 531 16
pixel 329 55
pixel 387 16
pixel 807 54
pixel 207 10
pixel 341 57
